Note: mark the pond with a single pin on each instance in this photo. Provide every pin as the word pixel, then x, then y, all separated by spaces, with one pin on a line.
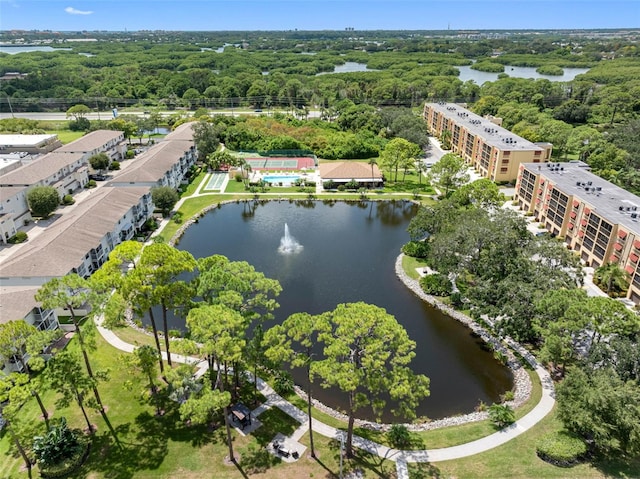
pixel 348 254
pixel 467 73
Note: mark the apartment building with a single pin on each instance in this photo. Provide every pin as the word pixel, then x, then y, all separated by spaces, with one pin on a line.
pixel 597 219
pixel 110 142
pixel 164 164
pixel 492 150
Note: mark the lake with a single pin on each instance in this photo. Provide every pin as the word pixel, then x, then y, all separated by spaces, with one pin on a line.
pixel 466 73
pixel 348 254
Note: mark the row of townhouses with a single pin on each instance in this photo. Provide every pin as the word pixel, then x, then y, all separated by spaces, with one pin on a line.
pixel 597 219
pixel 80 240
pixel 492 150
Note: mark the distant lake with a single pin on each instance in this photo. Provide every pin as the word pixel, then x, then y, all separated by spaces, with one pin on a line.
pixel 12 50
pixel 467 73
pixel 349 67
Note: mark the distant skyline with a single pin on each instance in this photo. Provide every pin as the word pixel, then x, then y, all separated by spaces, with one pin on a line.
pixel 118 15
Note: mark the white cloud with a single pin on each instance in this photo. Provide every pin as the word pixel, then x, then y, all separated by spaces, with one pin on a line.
pixel 75 11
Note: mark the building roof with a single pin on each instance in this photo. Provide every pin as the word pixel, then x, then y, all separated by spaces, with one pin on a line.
pixel 16 302
pixel 7 192
pixel 152 165
pixel 182 132
pixel 26 141
pixel 348 170
pixel 64 244
pixel 40 169
pixel 91 141
pixel 492 134
pixel 604 197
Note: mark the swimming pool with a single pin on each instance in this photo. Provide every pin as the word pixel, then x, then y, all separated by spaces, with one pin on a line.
pixel 284 179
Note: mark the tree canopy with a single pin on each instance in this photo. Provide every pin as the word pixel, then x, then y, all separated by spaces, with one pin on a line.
pixel 43 200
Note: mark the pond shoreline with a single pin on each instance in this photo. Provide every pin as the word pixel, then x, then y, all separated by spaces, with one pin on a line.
pixel 521 382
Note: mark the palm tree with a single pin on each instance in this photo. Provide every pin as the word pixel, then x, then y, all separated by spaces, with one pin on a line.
pixel 613 277
pixel 372 161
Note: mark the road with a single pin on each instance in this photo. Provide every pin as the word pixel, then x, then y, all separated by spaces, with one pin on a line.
pixel 108 115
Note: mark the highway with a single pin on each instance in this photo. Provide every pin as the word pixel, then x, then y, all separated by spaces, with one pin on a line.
pixel 108 115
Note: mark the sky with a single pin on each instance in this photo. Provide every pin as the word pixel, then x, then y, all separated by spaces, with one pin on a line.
pixel 216 15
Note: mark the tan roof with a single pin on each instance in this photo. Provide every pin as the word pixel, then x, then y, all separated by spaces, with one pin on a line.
pixel 347 170
pixel 40 169
pixel 16 302
pixel 154 163
pixel 183 132
pixel 62 247
pixel 7 192
pixel 91 141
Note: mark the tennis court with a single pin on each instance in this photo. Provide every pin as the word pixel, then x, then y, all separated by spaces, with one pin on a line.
pixel 283 163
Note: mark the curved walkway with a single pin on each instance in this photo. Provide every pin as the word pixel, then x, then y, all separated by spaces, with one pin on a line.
pixel 399 456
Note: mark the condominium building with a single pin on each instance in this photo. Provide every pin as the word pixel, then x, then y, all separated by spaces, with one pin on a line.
pixel 492 150
pixel 597 219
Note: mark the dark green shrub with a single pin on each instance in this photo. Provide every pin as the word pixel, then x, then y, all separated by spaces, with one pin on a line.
pixel 91 184
pixel 66 467
pixel 238 177
pixel 399 436
pixel 114 166
pixel 57 445
pixel 328 185
pixel 341 187
pixel 68 200
pixel 352 185
pixel 19 237
pixel 416 249
pixel 81 124
pixel 456 300
pixel 283 383
pixel 501 415
pixel 561 448
pixel 436 284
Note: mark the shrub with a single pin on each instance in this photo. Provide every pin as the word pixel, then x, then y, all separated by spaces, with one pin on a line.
pixel 399 436
pixel 416 249
pixel 436 284
pixel 328 185
pixel 130 154
pixel 508 396
pixel 68 200
pixel 283 383
pixel 19 237
pixel 561 448
pixel 238 177
pixel 91 184
pixel 58 444
pixel 456 300
pixel 352 185
pixel 341 187
pixel 66 467
pixel 501 415
pixel 114 166
pixel 175 333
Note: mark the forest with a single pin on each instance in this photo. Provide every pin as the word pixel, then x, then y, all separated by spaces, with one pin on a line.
pixel 593 117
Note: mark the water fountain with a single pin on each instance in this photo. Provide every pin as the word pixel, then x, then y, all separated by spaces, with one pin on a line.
pixel 288 243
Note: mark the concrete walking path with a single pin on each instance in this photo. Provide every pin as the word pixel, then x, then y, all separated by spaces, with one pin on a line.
pixel 544 407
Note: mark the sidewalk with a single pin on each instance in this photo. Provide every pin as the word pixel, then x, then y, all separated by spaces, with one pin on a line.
pixel 484 444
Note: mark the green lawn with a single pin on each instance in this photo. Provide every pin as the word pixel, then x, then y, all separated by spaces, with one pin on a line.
pixel 518 459
pixel 142 445
pixel 66 136
pixel 409 265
